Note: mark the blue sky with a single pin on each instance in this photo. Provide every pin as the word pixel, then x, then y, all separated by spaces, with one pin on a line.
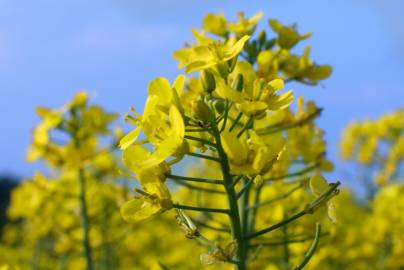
pixel 112 48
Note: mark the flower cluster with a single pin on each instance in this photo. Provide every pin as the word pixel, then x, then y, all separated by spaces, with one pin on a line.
pixel 231 111
pixel 376 143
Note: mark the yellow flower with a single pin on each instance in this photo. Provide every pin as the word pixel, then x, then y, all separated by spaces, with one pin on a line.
pixel 153 122
pixel 133 157
pixel 252 157
pixel 258 98
pixel 319 186
pixel 245 26
pixel 212 55
pixel 155 200
pixel 288 37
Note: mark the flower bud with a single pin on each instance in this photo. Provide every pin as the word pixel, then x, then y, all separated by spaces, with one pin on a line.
pixel 208 81
pixel 219 106
pixel 79 100
pixel 200 111
pixel 262 38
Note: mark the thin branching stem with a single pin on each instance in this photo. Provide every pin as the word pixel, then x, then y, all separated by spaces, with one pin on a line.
pixel 198 188
pixel 282 242
pixel 311 250
pixel 279 127
pixel 193 179
pixel 294 174
pixel 226 113
pixel 247 126
pixel 244 189
pixel 201 209
pixel 307 210
pixel 236 180
pixel 211 227
pixel 236 121
pixel 277 198
pixel 236 230
pixel 200 140
pixel 203 156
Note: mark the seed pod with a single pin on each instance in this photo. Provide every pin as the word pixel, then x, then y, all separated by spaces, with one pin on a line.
pixel 223 69
pixel 208 81
pixel 238 82
pixel 232 63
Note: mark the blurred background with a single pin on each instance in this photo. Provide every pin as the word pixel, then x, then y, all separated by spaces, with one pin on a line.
pixel 112 48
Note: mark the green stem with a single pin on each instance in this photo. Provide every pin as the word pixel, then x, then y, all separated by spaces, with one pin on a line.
pixel 226 114
pixel 197 130
pixel 193 187
pixel 235 122
pixel 245 188
pixel 294 174
pixel 208 226
pixel 255 209
pixel 277 225
pixel 199 140
pixel 309 209
pixel 290 241
pixel 203 156
pixel 311 250
pixel 280 127
pixel 236 230
pixel 245 215
pixel 201 209
pixel 236 180
pixel 84 221
pixel 192 179
pixel 248 125
pixel 258 204
pixel 285 245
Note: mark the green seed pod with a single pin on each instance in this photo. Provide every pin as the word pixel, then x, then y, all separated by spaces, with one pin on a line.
pixel 223 69
pixel 232 63
pixel 208 81
pixel 238 82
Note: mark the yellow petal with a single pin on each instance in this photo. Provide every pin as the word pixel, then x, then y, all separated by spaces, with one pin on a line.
pixel 178 84
pixel 161 88
pixel 276 84
pixel 225 91
pixel 129 138
pixel 170 145
pixel 331 212
pixel 234 149
pixel 280 102
pixel 236 48
pixel 138 209
pixel 133 155
pixel 253 108
pixel 318 185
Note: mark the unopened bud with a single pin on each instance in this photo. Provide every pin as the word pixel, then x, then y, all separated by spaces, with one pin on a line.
pixel 208 81
pixel 262 37
pixel 200 111
pixel 219 106
pixel 79 100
